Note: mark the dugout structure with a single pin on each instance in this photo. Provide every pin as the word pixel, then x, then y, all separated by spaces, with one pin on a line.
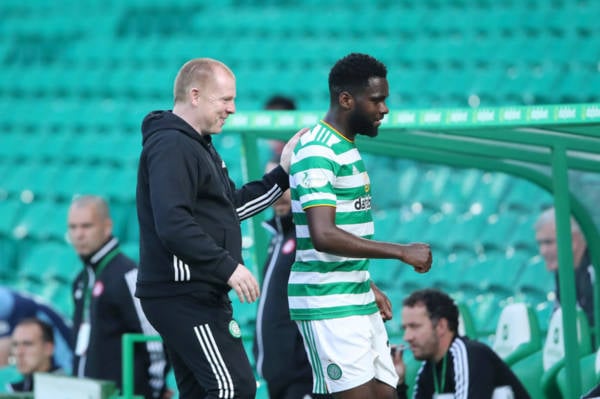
pixel 546 145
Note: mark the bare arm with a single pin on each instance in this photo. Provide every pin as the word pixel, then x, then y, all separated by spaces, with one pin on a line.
pixel 329 238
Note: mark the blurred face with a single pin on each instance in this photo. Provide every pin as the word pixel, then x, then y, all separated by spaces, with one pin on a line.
pixel 31 353
pixel 284 204
pixel 215 102
pixel 88 230
pixel 420 333
pixel 370 108
pixel 546 240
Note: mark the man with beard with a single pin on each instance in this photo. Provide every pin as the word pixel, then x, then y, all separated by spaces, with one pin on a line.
pixel 338 309
pixel 453 366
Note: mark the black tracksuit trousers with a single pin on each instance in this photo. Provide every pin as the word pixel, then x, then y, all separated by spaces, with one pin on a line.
pixel 204 345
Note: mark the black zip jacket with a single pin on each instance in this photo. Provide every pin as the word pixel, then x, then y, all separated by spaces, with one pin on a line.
pixel 189 210
pixel 113 311
pixel 278 348
pixel 473 371
pixel 584 286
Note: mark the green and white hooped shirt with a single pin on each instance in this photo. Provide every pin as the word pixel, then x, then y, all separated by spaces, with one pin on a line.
pixel 327 170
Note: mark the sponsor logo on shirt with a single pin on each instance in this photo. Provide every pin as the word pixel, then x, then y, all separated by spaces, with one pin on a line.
pixel 363 203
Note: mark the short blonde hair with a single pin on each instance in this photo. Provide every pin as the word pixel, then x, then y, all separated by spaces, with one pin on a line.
pixel 197 71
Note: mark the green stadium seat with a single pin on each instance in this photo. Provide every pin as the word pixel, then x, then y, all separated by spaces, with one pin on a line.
pixel 132 250
pixel 449 274
pixel 485 308
pixel 553 351
pixel 535 281
pixel 529 370
pixel 57 262
pixel 518 333
pixel 494 237
pixel 42 221
pixel 466 323
pixel 61 297
pixel 385 272
pixel 47 268
pixel 495 274
pixel 590 374
pixel 526 198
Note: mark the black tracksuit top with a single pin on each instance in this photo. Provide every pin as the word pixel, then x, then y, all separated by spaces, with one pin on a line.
pixel 189 210
pixel 112 313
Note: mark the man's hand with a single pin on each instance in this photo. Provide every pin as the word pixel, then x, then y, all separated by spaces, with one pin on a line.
pixel 244 284
pixel 399 365
pixel 418 255
pixel 288 149
pixel 383 303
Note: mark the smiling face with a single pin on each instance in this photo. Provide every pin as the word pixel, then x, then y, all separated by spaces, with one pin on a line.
pixel 545 235
pixel 369 107
pixel 215 101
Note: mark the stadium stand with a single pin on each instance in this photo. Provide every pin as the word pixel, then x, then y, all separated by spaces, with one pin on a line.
pixel 78 77
pixel 539 370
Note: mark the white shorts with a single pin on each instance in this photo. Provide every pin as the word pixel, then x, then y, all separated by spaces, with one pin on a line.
pixel 347 352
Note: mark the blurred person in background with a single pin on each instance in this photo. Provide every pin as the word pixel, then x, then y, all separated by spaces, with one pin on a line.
pixel 278 103
pixel 545 235
pixel 190 237
pixel 33 350
pixel 452 365
pixel 339 310
pixel 16 306
pixel 105 307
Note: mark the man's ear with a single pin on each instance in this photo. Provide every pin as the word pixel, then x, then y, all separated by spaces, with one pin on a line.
pixel 346 100
pixel 442 325
pixel 194 95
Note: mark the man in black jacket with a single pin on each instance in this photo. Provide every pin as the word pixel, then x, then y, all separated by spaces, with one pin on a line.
pixel 105 307
pixel 190 238
pixel 453 365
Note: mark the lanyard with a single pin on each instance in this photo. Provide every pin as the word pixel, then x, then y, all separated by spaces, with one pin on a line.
pixel 439 388
pixel 89 287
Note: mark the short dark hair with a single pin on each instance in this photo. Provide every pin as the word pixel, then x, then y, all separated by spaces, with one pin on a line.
pixel 352 73
pixel 438 304
pixel 47 331
pixel 280 103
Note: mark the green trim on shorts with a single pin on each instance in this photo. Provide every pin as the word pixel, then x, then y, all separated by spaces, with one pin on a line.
pixel 319 379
